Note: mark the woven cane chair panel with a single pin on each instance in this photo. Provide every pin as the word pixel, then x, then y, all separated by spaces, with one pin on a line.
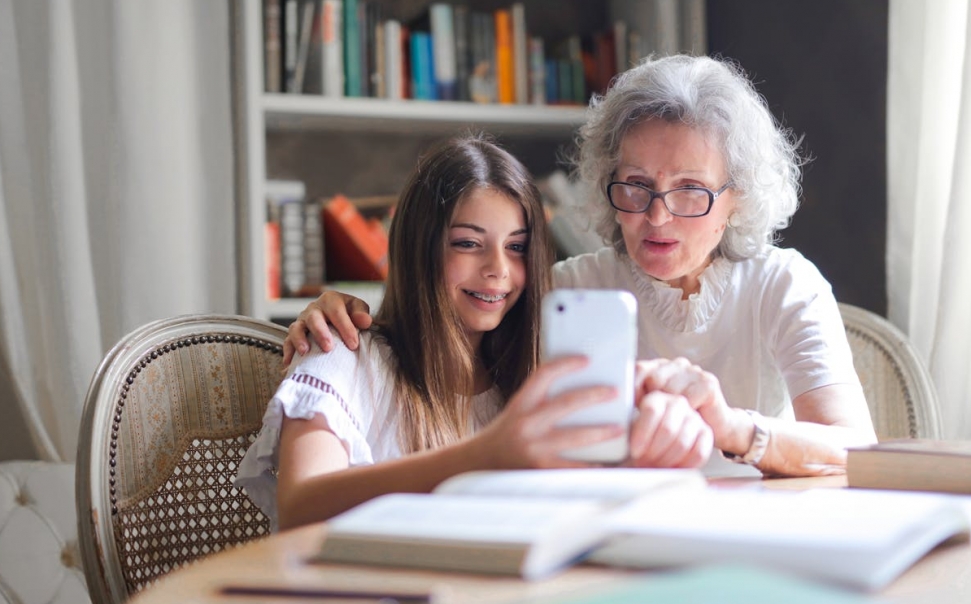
pixel 898 389
pixel 196 512
pixel 168 417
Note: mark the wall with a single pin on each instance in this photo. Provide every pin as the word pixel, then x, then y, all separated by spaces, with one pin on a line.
pixel 822 65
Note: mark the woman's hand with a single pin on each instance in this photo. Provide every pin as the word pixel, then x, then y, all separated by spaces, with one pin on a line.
pixel 345 312
pixel 699 390
pixel 668 433
pixel 526 434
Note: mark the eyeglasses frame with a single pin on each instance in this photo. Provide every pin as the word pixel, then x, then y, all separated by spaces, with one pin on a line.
pixel 712 196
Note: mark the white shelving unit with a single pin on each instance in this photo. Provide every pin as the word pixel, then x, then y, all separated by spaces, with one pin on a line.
pixel 260 116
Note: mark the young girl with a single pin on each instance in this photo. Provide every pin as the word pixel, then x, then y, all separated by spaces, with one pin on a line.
pixel 425 394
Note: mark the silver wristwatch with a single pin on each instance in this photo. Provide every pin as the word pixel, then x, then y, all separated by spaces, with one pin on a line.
pixel 760 442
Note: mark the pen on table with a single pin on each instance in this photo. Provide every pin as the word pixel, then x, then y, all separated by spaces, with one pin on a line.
pixel 325 594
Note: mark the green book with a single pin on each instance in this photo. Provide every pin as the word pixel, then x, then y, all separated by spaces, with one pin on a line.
pixel 352 49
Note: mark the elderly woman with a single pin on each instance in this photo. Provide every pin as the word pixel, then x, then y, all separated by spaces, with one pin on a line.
pixel 694 178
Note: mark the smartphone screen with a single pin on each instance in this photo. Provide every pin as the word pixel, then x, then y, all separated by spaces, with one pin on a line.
pixel 600 324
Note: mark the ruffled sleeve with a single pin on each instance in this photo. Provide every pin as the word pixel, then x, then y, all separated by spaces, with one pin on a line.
pixel 349 389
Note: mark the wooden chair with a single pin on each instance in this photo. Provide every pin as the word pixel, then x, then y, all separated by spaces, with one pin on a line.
pixel 169 414
pixel 897 385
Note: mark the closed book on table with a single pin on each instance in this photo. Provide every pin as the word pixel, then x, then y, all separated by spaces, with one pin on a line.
pixel 356 247
pixel 911 465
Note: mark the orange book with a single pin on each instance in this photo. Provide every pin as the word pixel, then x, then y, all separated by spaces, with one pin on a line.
pixel 356 248
pixel 271 255
pixel 505 62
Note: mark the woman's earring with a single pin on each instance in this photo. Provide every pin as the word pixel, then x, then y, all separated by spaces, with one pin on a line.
pixel 733 220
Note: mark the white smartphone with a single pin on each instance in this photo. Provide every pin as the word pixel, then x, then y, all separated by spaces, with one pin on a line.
pixel 600 324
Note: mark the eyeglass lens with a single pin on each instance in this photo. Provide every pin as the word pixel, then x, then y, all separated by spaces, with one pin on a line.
pixel 685 202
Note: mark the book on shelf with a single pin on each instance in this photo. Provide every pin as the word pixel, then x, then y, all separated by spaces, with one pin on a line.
pixel 518 522
pixel 461 26
pixel 694 27
pixel 505 62
pixel 482 71
pixel 285 206
pixel 393 84
pixel 533 523
pixel 271 259
pixel 325 64
pixel 351 38
pixel 667 26
pixel 912 465
pixel 441 22
pixel 305 28
pixel 290 39
pixel 272 48
pixel 520 52
pixel 356 248
pixel 422 67
pixel 537 71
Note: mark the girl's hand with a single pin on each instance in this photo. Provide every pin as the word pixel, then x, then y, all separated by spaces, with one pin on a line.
pixel 526 434
pixel 345 312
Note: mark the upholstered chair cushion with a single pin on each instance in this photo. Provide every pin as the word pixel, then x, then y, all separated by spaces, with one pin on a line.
pixel 39 558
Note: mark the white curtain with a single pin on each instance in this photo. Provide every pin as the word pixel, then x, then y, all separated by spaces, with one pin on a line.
pixel 116 188
pixel 929 193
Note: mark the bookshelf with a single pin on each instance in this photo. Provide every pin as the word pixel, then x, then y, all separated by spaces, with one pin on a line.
pixel 366 146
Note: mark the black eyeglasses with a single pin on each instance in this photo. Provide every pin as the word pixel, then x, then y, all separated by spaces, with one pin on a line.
pixel 688 202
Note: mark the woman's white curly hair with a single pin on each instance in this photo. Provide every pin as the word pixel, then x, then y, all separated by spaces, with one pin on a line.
pixel 716 97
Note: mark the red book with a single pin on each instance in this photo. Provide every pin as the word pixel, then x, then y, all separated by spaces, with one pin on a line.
pixel 356 248
pixel 271 255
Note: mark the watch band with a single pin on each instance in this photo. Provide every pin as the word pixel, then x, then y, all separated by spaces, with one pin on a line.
pixel 760 441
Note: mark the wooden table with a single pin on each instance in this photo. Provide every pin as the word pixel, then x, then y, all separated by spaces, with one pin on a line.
pixel 943 576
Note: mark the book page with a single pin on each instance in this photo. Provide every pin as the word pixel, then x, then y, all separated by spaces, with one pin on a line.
pixel 445 517
pixel 859 519
pixel 605 484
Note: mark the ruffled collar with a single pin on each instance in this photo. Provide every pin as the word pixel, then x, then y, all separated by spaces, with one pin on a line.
pixel 665 302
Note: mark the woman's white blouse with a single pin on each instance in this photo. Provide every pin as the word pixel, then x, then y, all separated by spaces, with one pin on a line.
pixel 353 391
pixel 769 328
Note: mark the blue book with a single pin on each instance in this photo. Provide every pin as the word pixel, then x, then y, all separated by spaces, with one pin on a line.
pixel 552 81
pixel 422 68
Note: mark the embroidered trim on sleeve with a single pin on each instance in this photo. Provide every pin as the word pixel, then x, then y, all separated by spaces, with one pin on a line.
pixel 319 384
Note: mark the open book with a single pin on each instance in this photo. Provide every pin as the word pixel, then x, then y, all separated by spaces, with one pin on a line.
pixel 533 522
pixel 855 538
pixel 526 522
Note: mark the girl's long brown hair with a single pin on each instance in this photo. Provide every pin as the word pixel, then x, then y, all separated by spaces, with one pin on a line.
pixel 435 364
